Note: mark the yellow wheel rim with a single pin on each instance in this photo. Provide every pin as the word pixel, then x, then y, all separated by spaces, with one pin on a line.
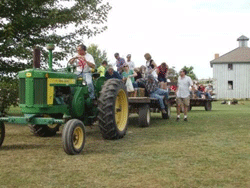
pixel 121 110
pixel 78 137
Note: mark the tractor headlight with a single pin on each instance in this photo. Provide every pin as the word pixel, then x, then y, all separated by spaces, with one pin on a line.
pixel 84 83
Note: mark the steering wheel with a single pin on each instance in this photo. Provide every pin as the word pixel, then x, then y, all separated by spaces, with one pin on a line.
pixel 72 64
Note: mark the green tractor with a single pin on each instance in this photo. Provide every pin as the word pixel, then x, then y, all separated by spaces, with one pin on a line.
pixel 50 98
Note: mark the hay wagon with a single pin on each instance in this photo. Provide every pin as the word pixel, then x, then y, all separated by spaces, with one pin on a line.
pixel 144 105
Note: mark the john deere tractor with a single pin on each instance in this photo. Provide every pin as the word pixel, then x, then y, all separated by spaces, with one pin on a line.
pixel 50 98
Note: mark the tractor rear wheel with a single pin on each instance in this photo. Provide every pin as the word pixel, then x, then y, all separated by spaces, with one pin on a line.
pixel 45 130
pixel 2 133
pixel 113 109
pixel 73 137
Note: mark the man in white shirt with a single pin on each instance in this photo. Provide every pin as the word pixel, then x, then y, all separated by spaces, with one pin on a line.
pixel 130 63
pixel 85 63
pixel 182 93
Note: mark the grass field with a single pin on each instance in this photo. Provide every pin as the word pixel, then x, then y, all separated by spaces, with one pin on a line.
pixel 212 149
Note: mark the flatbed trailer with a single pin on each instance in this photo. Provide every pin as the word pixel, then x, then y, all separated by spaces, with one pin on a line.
pixel 207 103
pixel 145 105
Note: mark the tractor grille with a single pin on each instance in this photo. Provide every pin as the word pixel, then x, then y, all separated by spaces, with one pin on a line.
pixel 40 91
pixel 22 90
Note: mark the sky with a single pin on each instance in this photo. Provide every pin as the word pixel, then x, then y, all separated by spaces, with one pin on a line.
pixel 178 32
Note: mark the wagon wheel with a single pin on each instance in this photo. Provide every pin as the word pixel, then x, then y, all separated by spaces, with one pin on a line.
pixel 113 109
pixel 73 137
pixel 144 115
pixel 208 105
pixel 2 133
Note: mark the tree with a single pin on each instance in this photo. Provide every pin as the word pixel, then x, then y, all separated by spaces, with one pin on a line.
pixel 172 74
pixel 28 23
pixel 190 72
pixel 98 55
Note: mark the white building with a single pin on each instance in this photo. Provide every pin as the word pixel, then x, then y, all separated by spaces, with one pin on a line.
pixel 231 72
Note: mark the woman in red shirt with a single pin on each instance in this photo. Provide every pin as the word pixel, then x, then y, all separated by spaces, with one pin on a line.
pixel 162 72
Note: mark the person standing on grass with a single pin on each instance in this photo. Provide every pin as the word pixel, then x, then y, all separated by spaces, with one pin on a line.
pixel 183 93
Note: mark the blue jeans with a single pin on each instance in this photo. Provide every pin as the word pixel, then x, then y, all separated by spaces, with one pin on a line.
pixel 135 85
pixel 88 78
pixel 208 95
pixel 198 94
pixel 160 94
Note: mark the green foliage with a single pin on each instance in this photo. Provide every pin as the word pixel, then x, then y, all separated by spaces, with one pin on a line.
pixel 28 23
pixel 8 94
pixel 190 72
pixel 172 74
pixel 98 55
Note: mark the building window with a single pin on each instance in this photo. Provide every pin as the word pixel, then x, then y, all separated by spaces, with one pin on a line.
pixel 230 85
pixel 230 66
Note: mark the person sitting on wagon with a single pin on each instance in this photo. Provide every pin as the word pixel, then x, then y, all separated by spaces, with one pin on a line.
pixel 137 70
pixel 208 91
pixel 162 72
pixel 85 63
pixel 110 73
pixel 152 87
pixel 127 73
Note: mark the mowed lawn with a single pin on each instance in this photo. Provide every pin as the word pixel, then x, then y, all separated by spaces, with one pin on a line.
pixel 212 149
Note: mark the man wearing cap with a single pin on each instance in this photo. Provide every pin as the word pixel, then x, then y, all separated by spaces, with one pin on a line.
pixel 119 63
pixel 183 93
pixel 152 87
pixel 110 73
pixel 130 63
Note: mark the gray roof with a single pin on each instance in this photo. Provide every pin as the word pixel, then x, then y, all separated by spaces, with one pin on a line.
pixel 238 55
pixel 242 38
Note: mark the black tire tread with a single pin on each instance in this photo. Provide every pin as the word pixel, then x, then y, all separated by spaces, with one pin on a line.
pixel 143 110
pixel 2 136
pixel 106 113
pixel 67 137
pixel 43 130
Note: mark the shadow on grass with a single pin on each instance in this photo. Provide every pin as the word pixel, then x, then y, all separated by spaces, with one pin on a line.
pixel 134 122
pixel 22 146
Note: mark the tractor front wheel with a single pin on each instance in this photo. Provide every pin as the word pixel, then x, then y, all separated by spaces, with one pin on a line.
pixel 73 137
pixel 2 133
pixel 113 109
